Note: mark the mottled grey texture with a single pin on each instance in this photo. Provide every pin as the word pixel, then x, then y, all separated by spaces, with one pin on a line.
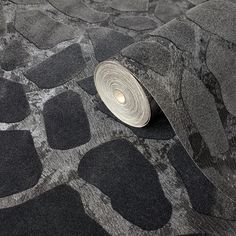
pixel 138 23
pixel 58 69
pixel 25 2
pixel 78 9
pixel 2 21
pixel 221 60
pixel 57 212
pixel 13 102
pixel 167 10
pixel 151 54
pixel 13 55
pixel 66 122
pixel 216 16
pixel 186 181
pixel 180 32
pixel 131 182
pixel 135 5
pixel 20 167
pixel 42 30
pixel 110 41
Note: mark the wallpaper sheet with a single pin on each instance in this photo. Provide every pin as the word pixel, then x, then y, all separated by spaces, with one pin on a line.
pixel 68 166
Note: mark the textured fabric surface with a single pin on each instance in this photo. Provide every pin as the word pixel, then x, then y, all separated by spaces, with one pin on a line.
pixel 69 167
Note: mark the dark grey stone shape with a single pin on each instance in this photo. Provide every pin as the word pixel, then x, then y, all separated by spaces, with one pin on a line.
pixel 200 190
pixel 66 121
pixel 216 16
pixel 57 212
pixel 221 60
pixel 201 107
pixel 28 2
pixel 13 102
pixel 58 69
pixel 78 9
pixel 159 128
pixel 196 2
pixel 130 5
pixel 13 55
pixel 88 85
pixel 121 172
pixel 180 32
pixel 42 30
pixel 2 21
pixel 137 23
pixel 167 10
pixel 107 42
pixel 151 54
pixel 20 167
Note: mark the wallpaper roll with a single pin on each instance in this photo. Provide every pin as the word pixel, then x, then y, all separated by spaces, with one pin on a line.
pixel 188 67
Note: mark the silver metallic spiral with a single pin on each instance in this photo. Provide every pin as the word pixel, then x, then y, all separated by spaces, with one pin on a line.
pixel 122 94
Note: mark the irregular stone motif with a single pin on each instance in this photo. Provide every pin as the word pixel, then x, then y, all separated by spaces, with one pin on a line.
pixel 201 107
pixel 20 167
pixel 216 16
pixel 42 30
pixel 13 55
pixel 107 42
pixel 221 60
pixel 121 172
pixel 180 32
pixel 151 54
pixel 137 23
pixel 13 102
pixel 57 212
pixel 66 121
pixel 135 5
pixel 58 69
pixel 78 9
pixel 167 10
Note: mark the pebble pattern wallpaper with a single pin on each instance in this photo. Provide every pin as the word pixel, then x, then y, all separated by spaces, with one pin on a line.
pixel 68 166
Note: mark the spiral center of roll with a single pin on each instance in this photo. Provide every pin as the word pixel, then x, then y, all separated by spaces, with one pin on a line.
pixel 120 97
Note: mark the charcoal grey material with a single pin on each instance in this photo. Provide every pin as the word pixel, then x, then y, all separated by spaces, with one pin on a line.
pixel 121 172
pixel 135 5
pixel 150 54
pixel 88 85
pixel 110 41
pixel 66 122
pixel 25 2
pixel 20 167
pixel 2 21
pixel 58 69
pixel 56 212
pixel 13 55
pixel 136 23
pixel 167 10
pixel 159 128
pixel 54 123
pixel 216 16
pixel 13 102
pixel 42 30
pixel 78 9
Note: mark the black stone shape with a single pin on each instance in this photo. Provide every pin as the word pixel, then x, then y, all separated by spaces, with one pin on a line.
pixel 20 167
pixel 14 55
pixel 56 212
pixel 159 128
pixel 13 102
pixel 200 190
pixel 107 42
pixel 58 69
pixel 121 172
pixel 88 85
pixel 66 122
